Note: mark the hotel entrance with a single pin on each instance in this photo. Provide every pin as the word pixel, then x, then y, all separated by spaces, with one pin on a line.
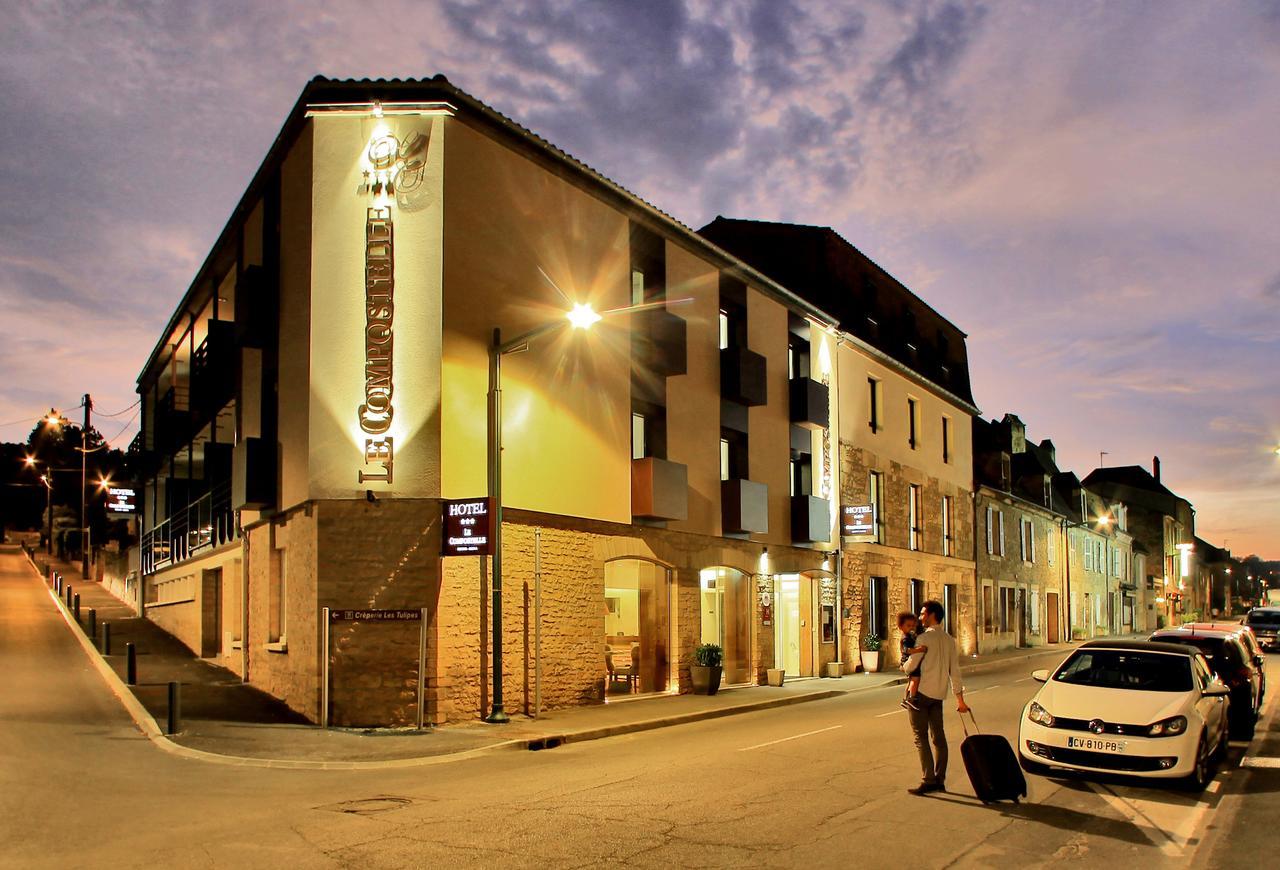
pixel 804 622
pixel 725 604
pixel 637 627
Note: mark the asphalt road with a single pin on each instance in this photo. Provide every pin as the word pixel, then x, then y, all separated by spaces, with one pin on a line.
pixel 820 784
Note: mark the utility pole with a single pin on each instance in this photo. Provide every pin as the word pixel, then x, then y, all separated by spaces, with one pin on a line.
pixel 84 497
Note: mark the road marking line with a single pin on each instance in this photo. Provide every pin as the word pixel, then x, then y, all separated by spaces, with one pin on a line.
pixel 890 713
pixel 792 737
pixel 1260 761
pixel 1024 679
pixel 995 687
pixel 1139 820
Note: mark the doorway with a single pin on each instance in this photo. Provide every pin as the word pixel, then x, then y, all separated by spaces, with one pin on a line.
pixel 725 605
pixel 211 613
pixel 1020 615
pixel 1051 621
pixel 637 627
pixel 794 617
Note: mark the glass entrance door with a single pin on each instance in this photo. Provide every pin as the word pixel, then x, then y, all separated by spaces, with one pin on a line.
pixel 726 620
pixel 793 618
pixel 637 627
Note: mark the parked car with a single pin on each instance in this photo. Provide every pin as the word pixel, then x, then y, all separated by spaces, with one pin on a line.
pixel 1265 622
pixel 1246 636
pixel 1133 707
pixel 1230 660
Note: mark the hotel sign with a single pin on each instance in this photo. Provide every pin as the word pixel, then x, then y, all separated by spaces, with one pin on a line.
pixel 379 306
pixel 122 501
pixel 468 528
pixel 858 521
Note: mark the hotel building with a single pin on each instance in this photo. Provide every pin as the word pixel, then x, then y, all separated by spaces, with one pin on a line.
pixel 672 475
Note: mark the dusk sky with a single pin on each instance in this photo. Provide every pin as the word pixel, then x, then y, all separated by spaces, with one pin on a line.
pixel 1088 189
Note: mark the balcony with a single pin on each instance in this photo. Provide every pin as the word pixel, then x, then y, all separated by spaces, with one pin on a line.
pixel 810 519
pixel 659 342
pixel 204 524
pixel 744 507
pixel 742 376
pixel 809 403
pixel 213 369
pixel 253 474
pixel 659 489
pixel 172 424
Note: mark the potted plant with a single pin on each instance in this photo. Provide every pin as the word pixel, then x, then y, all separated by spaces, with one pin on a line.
pixel 871 653
pixel 707 668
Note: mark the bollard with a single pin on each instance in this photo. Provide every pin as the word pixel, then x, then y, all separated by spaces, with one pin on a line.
pixel 106 638
pixel 175 707
pixel 66 594
pixel 93 623
pixel 76 606
pixel 130 664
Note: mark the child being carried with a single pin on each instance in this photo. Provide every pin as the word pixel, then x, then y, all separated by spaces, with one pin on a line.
pixel 907 624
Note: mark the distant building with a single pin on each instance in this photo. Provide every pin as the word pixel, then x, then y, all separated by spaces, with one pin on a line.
pixel 1164 523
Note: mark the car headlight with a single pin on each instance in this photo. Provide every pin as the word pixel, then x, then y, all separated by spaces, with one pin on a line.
pixel 1168 727
pixel 1040 715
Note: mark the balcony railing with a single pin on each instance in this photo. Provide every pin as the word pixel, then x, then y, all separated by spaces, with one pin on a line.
pixel 205 523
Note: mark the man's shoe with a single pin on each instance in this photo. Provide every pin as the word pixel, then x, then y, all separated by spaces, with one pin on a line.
pixel 925 788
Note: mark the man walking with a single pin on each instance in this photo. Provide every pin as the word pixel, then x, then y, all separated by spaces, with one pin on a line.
pixel 939 669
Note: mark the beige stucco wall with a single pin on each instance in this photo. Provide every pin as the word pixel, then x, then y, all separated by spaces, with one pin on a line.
pixel 295 318
pixel 566 401
pixel 693 399
pixel 335 452
pixel 769 439
pixel 1012 571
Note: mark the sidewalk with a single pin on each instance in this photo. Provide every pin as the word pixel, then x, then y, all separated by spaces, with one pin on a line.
pixel 225 720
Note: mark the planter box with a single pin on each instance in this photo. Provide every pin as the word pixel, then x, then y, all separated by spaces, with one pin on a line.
pixel 834 669
pixel 774 676
pixel 706 680
pixel 871 661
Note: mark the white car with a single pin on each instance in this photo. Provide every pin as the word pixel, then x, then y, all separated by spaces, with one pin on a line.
pixel 1135 708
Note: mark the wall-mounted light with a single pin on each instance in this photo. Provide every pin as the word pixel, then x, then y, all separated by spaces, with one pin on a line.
pixel 764 561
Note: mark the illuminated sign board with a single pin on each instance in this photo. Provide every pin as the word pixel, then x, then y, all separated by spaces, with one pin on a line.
pixel 467 529
pixel 858 521
pixel 375 615
pixel 122 501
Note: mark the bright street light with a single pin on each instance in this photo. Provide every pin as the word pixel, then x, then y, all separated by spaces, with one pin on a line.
pixel 582 316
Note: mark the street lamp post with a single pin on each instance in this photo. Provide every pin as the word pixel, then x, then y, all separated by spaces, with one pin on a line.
pixel 581 317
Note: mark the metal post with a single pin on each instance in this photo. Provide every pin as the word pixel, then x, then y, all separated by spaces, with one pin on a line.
pixel 130 664
pixel 175 708
pixel 106 638
pixel 93 623
pixel 497 714
pixel 422 664
pixel 324 666
pixel 537 622
pixel 84 488
pixel 75 606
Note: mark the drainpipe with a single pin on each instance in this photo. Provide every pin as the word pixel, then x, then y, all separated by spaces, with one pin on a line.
pixel 977 582
pixel 837 615
pixel 1066 563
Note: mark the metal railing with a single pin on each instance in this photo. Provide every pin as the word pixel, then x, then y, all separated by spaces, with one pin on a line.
pixel 207 522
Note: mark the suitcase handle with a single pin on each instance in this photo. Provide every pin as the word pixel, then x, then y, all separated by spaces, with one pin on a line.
pixel 975 723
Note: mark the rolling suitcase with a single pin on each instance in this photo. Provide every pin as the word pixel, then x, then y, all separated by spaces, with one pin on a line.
pixel 993 768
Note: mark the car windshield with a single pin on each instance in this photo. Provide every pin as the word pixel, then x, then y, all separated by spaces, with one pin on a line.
pixel 1127 669
pixel 1217 652
pixel 1268 616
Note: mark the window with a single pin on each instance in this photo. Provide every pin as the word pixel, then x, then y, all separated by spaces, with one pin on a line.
pixel 946 439
pixel 1028 540
pixel 724 329
pixel 1000 533
pixel 1088 554
pixel 1033 613
pixel 277 625
pixel 1052 540
pixel 873 405
pixel 1007 610
pixel 638 444
pixel 802 476
pixel 875 494
pixel 878 606
pixel 948 541
pixel 950 601
pixel 913 421
pixel 986 610
pixel 724 459
pixel 991 536
pixel 637 287
pixel 917 595
pixel 913 515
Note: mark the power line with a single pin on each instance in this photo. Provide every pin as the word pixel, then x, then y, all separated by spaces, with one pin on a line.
pixel 120 413
pixel 34 418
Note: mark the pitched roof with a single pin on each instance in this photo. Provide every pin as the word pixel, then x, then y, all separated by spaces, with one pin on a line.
pixel 818 264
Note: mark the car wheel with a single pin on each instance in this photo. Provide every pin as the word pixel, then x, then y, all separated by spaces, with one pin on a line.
pixel 1199 777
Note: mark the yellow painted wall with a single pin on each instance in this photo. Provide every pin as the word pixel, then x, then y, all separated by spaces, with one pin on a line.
pixel 295 318
pixel 693 399
pixel 337 358
pixel 826 442
pixel 889 444
pixel 567 399
pixel 769 439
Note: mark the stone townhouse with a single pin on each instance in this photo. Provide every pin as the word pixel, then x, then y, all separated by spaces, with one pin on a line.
pixel 1020 524
pixel 904 434
pixel 319 413
pixel 1164 524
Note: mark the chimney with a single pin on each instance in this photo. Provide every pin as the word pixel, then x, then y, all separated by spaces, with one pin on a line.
pixel 1155 468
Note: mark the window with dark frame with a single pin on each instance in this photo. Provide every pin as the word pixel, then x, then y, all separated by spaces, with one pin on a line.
pixel 948 541
pixel 912 419
pixel 873 410
pixel 916 536
pixel 946 439
pixel 875 495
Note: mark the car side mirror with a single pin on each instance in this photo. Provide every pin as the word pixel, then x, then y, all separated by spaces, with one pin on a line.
pixel 1040 676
